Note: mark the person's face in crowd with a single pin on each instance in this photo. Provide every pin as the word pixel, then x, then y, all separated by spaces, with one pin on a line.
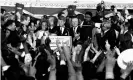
pixel 99 13
pixel 27 21
pixel 87 17
pixel 106 25
pixel 74 22
pixel 51 21
pixel 44 26
pixel 38 22
pixel 61 23
pixel 31 27
pixel 32 24
pixel 12 27
pixel 71 11
pixel 13 17
pixel 98 30
pixel 112 9
pixel 103 28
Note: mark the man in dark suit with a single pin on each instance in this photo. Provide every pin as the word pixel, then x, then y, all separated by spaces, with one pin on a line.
pixel 75 30
pixel 64 31
pixel 53 29
pixel 86 29
pixel 125 37
pixel 109 34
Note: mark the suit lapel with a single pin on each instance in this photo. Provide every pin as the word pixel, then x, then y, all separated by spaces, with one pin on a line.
pixel 64 32
pixel 78 30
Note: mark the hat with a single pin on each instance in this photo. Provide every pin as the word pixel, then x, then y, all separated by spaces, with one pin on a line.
pixel 125 57
pixel 19 6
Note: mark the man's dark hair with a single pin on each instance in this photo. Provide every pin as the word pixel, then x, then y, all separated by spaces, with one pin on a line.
pixel 24 17
pixel 72 6
pixel 45 16
pixel 127 24
pixel 45 21
pixel 78 43
pixel 62 18
pixel 88 13
pixel 75 17
pixel 99 7
pixel 2 10
pixel 8 23
pixel 112 7
pixel 81 17
pixel 60 14
pixel 55 20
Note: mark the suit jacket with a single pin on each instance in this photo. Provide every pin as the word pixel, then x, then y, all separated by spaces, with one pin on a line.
pixel 72 34
pixel 78 31
pixel 110 35
pixel 55 30
pixel 125 40
pixel 66 32
pixel 86 31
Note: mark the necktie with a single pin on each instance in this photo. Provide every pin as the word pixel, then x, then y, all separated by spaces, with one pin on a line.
pixel 74 30
pixel 62 30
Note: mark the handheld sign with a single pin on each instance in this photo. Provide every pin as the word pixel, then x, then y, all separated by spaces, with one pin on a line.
pixel 66 40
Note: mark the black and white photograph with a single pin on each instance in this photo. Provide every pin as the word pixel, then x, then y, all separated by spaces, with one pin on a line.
pixel 66 39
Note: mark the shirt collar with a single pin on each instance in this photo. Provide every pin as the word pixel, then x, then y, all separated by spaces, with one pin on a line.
pixel 125 31
pixel 106 31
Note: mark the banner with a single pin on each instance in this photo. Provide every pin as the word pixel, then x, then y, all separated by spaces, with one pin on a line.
pixel 66 40
pixel 84 5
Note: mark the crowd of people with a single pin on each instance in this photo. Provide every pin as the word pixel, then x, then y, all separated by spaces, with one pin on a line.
pixel 97 41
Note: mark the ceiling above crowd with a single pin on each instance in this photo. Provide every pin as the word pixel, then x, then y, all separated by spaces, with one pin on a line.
pixel 53 7
pixel 81 4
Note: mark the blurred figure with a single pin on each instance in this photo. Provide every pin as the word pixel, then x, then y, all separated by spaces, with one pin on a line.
pixel 53 29
pixel 125 37
pixel 88 25
pixel 43 31
pixel 75 30
pixel 64 31
pixel 81 19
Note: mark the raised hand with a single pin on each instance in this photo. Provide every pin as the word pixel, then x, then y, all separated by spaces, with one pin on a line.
pixel 117 50
pixel 67 51
pixel 96 56
pixel 107 45
pixel 128 69
pixel 27 59
pixel 51 59
pixel 62 56
pixel 110 63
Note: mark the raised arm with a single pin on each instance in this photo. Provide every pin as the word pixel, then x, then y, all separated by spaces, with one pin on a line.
pixel 71 71
pixel 86 53
pixel 52 61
